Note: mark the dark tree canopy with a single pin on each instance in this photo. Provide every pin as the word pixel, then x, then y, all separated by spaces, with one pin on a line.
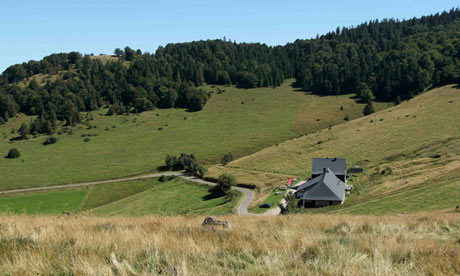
pixel 390 58
pixel 186 162
pixel 387 60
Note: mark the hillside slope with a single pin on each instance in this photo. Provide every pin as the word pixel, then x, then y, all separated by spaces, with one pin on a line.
pixel 176 197
pixel 410 154
pixel 237 120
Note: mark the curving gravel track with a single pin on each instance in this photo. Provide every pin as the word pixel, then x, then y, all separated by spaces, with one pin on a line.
pixel 244 205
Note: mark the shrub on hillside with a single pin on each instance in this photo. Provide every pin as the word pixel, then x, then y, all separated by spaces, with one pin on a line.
pixel 201 171
pixel 170 160
pixel 197 100
pixel 13 153
pixel 224 184
pixel 291 206
pixel 223 78
pixel 247 80
pixel 227 158
pixel 369 108
pixel 364 93
pixel 50 140
pixel 185 162
pixel 23 130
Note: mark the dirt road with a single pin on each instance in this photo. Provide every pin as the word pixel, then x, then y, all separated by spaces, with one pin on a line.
pixel 244 205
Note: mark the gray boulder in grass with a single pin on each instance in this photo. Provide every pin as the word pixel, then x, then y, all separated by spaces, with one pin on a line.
pixel 212 222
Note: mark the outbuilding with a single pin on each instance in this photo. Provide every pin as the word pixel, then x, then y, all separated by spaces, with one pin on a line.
pixel 337 165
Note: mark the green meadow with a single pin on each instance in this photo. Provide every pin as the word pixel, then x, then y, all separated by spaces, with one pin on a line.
pixel 175 197
pixel 50 202
pixel 72 200
pixel 237 120
pixel 140 197
pixel 410 154
pixel 106 193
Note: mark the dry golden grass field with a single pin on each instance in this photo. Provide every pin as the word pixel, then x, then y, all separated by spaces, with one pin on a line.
pixel 423 244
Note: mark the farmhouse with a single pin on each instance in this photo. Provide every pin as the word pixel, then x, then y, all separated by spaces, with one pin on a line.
pixel 324 190
pixel 337 165
pixel 326 186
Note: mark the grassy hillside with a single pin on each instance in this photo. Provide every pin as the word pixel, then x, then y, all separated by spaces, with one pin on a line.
pixel 410 154
pixel 136 198
pixel 240 121
pixel 175 197
pixel 110 192
pixel 50 202
pixel 282 245
pixel 73 199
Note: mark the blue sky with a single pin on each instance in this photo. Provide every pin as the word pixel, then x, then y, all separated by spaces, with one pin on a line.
pixel 34 29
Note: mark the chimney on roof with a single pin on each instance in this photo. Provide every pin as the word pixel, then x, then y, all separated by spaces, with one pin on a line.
pixel 334 159
pixel 324 170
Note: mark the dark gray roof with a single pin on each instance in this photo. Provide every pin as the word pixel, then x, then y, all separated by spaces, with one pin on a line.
pixel 337 165
pixel 325 187
pixel 309 183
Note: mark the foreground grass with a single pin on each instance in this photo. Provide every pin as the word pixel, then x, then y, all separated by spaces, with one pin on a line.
pixel 50 202
pixel 237 120
pixel 283 245
pixel 410 154
pixel 177 196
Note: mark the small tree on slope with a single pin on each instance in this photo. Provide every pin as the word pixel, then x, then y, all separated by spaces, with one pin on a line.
pixel 224 184
pixel 369 108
